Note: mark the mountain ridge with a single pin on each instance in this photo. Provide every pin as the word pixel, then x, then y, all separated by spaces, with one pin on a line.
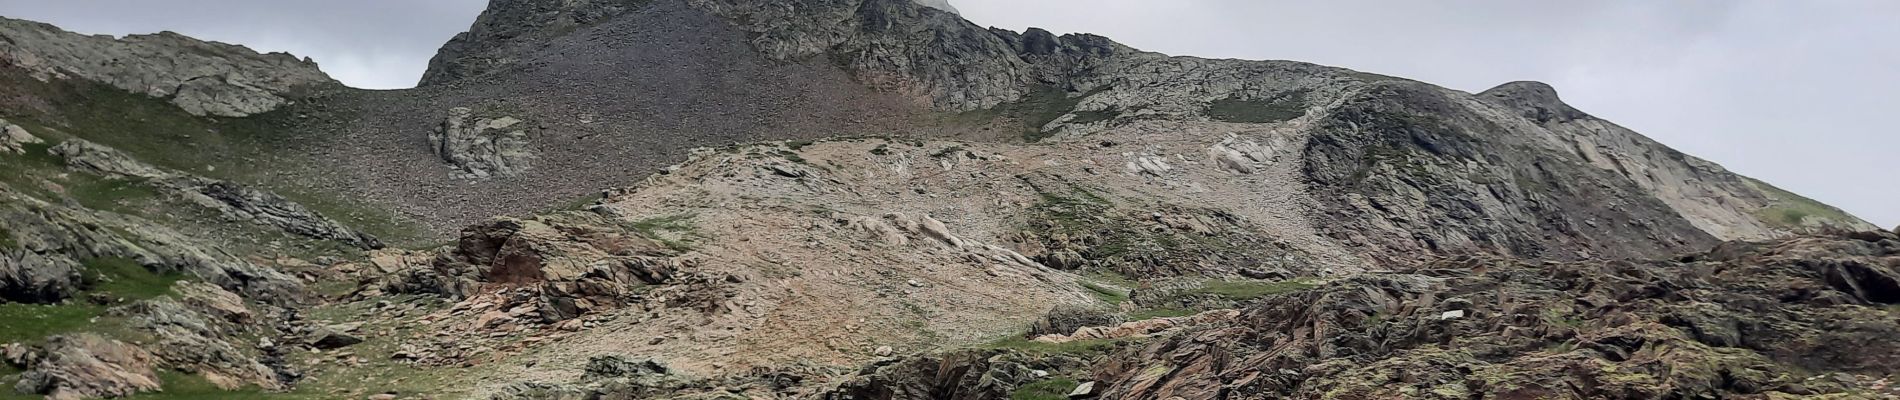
pixel 880 199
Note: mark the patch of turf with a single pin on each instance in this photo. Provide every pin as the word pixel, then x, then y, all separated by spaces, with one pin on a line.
pixel 115 278
pixel 125 278
pixel 1248 290
pixel 110 194
pixel 1104 293
pixel 1281 108
pixel 31 323
pixel 1051 389
pixel 673 231
pixel 1791 210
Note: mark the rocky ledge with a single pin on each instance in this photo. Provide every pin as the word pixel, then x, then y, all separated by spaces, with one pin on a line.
pixel 204 78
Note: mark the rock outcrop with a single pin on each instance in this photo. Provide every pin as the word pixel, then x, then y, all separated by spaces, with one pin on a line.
pixel 204 78
pixel 577 263
pixel 50 240
pixel 234 201
pixel 481 147
pixel 88 366
pixel 1743 319
pixel 13 138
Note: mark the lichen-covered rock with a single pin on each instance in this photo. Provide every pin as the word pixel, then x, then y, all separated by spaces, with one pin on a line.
pixel 1744 319
pixel 578 262
pixel 88 366
pixel 201 333
pixel 233 200
pixel 56 237
pixel 481 147
pixel 957 375
pixel 13 138
pixel 204 78
pixel 30 277
pixel 609 377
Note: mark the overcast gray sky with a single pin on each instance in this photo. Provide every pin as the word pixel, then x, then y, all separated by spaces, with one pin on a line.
pixel 1802 94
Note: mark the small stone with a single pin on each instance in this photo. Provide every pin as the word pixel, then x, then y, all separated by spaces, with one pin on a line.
pixel 883 351
pixel 914 283
pixel 383 396
pixel 1083 391
pixel 1453 314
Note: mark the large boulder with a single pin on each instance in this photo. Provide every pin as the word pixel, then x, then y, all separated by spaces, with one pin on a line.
pixel 481 147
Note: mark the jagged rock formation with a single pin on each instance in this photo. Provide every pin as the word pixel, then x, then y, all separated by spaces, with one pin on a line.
pixel 235 201
pixel 204 78
pixel 88 366
pixel 49 241
pixel 1738 320
pixel 481 147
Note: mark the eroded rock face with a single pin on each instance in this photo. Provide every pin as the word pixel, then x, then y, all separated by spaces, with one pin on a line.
pixel 481 147
pixel 199 334
pixel 577 263
pixel 236 201
pixel 204 78
pixel 1744 319
pixel 52 238
pixel 88 366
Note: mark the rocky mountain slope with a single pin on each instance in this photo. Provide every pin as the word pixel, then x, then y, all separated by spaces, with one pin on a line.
pixel 878 199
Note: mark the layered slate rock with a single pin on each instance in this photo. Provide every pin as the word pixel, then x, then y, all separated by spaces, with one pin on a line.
pixel 204 78
pixel 238 202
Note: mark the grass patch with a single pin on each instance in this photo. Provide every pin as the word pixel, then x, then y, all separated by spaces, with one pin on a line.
pixel 1051 389
pixel 673 231
pixel 1248 290
pixel 31 323
pixel 116 278
pixel 796 145
pixel 1790 210
pixel 6 239
pixel 1281 108
pixel 1040 106
pixel 1104 293
pixel 127 279
pixel 110 194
